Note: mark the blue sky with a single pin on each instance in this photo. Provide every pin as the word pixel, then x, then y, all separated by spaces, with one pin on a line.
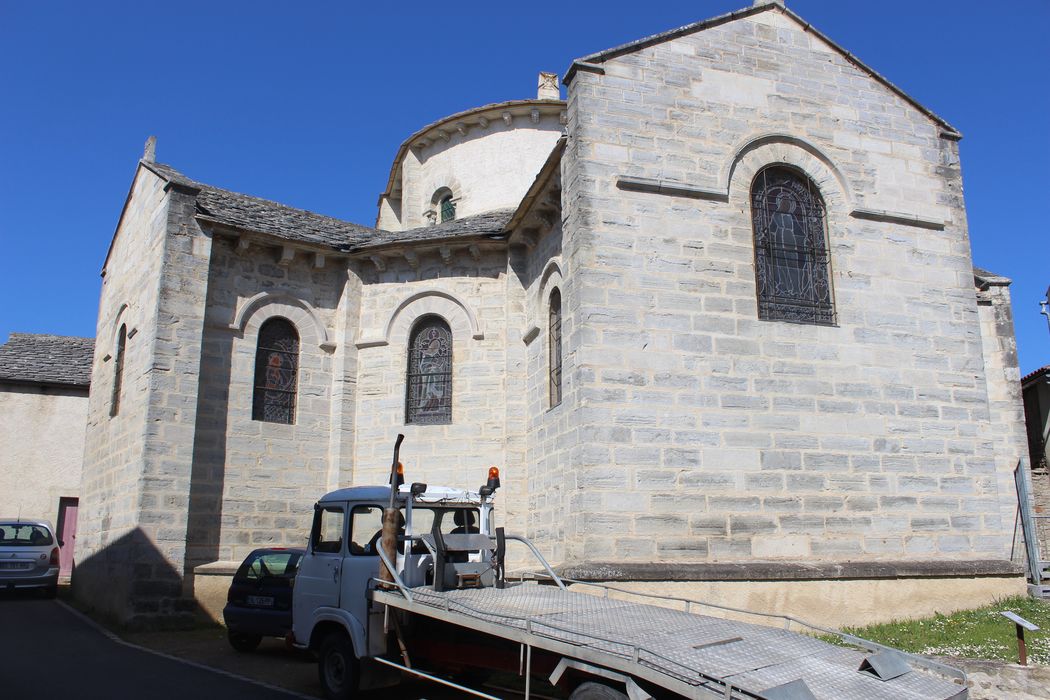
pixel 306 103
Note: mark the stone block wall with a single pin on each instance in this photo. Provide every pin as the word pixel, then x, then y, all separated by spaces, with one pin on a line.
pixel 716 435
pixel 109 542
pixel 1003 386
pixel 471 295
pixel 255 482
pixel 553 491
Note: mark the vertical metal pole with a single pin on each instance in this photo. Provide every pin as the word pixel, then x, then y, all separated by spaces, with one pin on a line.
pixel 528 671
pixel 1022 650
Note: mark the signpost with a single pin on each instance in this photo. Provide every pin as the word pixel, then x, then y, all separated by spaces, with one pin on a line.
pixel 1022 625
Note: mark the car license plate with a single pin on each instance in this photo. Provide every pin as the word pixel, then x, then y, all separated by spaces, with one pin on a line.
pixel 263 601
pixel 17 565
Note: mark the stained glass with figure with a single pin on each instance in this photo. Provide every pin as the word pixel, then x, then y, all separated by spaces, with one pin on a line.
pixel 428 395
pixel 276 372
pixel 792 262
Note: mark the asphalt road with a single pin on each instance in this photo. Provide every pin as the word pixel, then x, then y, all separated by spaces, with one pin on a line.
pixel 46 651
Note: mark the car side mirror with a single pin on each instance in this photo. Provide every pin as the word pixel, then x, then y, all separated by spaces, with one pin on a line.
pixel 61 543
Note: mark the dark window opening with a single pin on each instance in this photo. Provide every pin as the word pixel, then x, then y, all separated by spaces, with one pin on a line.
pixel 118 371
pixel 428 395
pixel 448 208
pixel 276 372
pixel 792 261
pixel 554 335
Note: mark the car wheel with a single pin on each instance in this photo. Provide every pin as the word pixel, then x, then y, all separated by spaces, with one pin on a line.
pixel 337 667
pixel 596 691
pixel 244 642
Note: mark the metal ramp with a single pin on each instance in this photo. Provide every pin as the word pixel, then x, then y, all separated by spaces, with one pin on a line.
pixel 696 656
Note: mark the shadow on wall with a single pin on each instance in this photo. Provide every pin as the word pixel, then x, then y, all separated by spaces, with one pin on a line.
pixel 131 583
pixel 208 474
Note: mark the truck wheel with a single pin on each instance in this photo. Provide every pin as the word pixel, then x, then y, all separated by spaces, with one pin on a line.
pixel 243 642
pixel 337 667
pixel 596 691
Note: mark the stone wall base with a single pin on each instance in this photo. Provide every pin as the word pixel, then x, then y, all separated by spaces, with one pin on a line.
pixel 829 603
pixel 211 583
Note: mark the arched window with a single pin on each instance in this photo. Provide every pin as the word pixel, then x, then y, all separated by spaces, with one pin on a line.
pixel 118 371
pixel 447 208
pixel 792 263
pixel 428 391
pixel 276 372
pixel 554 339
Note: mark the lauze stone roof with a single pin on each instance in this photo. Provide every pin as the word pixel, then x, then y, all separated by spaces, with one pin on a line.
pixel 241 211
pixel 28 358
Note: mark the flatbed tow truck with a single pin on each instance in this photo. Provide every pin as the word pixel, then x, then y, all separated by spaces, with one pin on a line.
pixel 442 608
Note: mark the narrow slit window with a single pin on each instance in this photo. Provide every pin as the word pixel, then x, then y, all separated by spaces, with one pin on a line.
pixel 554 335
pixel 118 371
pixel 428 393
pixel 792 260
pixel 276 372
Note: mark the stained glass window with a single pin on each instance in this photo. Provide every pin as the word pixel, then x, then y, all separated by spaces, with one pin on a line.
pixel 428 394
pixel 448 208
pixel 276 372
pixel 118 371
pixel 792 262
pixel 554 335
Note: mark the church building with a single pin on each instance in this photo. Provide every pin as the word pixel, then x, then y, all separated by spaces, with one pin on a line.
pixel 714 316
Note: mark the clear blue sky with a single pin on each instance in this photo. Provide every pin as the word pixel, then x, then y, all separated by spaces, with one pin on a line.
pixel 306 103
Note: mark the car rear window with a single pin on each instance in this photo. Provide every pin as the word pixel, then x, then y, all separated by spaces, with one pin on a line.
pixel 24 535
pixel 269 565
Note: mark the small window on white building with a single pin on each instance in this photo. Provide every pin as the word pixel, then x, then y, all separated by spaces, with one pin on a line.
pixel 448 208
pixel 443 206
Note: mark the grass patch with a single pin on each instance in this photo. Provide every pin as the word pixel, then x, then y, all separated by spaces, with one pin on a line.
pixel 981 633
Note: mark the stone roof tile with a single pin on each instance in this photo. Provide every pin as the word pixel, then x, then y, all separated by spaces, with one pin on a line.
pixel 29 358
pixel 264 216
pixel 488 224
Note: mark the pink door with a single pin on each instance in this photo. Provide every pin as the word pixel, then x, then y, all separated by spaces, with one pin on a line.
pixel 67 535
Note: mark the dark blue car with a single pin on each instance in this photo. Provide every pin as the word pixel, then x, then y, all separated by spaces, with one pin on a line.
pixel 259 603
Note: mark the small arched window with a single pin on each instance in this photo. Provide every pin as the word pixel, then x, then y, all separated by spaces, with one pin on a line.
pixel 428 390
pixel 792 262
pixel 276 372
pixel 554 350
pixel 118 371
pixel 447 208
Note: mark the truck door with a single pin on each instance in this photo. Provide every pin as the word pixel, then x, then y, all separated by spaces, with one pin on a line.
pixel 318 583
pixel 362 562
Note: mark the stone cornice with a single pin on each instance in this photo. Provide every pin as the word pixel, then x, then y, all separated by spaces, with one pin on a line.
pixel 246 238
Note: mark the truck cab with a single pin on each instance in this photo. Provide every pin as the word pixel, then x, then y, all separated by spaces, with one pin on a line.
pixel 333 614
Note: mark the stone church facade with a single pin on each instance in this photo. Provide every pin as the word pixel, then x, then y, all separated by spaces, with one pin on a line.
pixel 686 380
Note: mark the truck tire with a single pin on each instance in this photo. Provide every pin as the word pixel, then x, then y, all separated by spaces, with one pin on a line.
pixel 337 667
pixel 596 691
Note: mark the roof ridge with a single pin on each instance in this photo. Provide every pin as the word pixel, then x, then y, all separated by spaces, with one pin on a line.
pixel 52 336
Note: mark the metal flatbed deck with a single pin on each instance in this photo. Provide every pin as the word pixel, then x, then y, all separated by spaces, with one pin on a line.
pixel 696 656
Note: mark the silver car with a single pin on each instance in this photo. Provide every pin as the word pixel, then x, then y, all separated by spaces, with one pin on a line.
pixel 28 555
